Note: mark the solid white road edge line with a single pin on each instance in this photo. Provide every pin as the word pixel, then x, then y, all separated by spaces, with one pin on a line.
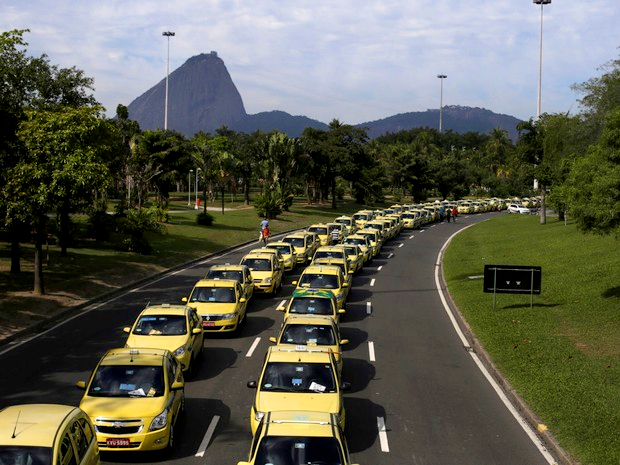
pixel 511 408
pixel 253 348
pixel 371 351
pixel 208 435
pixel 368 308
pixel 372 282
pixel 385 447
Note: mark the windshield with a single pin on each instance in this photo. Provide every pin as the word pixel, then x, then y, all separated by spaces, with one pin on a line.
pixel 25 455
pixel 351 251
pixel 213 294
pixel 371 237
pixel 328 254
pixel 356 241
pixel 298 377
pixel 320 281
pixel 317 230
pixel 127 381
pixel 308 334
pixel 160 325
pixel 283 249
pixel 296 450
pixel 225 274
pixel 257 264
pixel 311 305
pixel 343 221
pixel 295 241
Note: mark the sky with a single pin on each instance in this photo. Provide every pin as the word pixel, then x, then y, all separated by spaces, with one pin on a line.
pixel 354 60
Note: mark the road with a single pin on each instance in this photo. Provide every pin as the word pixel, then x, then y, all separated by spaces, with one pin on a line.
pixel 417 395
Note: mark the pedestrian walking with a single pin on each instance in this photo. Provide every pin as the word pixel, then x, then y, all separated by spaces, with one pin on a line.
pixel 264 231
pixel 455 213
pixel 335 236
pixel 448 214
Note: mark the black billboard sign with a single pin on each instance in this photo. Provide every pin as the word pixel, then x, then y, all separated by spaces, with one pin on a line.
pixel 512 279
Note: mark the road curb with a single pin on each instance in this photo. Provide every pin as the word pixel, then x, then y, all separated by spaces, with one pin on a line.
pixel 546 437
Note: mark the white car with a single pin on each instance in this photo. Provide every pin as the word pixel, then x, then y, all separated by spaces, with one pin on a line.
pixel 518 208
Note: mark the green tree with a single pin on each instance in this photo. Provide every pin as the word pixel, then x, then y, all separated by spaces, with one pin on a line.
pixel 62 164
pixel 592 189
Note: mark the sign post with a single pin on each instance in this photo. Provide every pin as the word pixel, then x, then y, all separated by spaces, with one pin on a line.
pixel 512 279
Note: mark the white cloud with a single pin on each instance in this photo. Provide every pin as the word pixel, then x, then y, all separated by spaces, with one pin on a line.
pixel 357 60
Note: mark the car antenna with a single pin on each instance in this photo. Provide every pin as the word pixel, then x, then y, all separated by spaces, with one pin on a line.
pixel 14 435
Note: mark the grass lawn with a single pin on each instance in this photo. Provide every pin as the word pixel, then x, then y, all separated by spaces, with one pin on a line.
pixel 563 355
pixel 92 268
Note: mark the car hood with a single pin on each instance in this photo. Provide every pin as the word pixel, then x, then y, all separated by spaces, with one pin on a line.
pixel 262 274
pixel 170 343
pixel 120 408
pixel 213 308
pixel 271 401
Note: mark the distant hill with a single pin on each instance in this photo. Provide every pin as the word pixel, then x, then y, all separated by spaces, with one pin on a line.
pixel 203 97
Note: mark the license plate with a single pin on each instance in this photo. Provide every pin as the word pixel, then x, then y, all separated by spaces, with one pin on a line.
pixel 117 442
pixel 208 323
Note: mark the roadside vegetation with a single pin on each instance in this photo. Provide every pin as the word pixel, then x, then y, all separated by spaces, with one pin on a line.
pixel 563 355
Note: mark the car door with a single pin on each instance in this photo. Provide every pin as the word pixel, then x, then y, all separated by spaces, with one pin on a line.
pixel 197 339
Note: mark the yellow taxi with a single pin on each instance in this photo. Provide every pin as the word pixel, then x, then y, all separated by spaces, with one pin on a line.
pixel 378 226
pixel 304 245
pixel 311 331
pixel 348 223
pixel 361 217
pixel 273 251
pixel 354 255
pixel 329 251
pixel 321 230
pixel 398 222
pixel 312 302
pixel 134 397
pixel 47 434
pixel 375 239
pixel 343 264
pixel 325 277
pixel 411 219
pixel 299 437
pixel 220 303
pixel 363 243
pixel 177 328
pixel 287 251
pixel 239 273
pixel 298 378
pixel 267 273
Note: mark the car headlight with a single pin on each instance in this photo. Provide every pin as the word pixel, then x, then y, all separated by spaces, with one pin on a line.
pixel 229 316
pixel 160 421
pixel 180 351
pixel 258 416
pixel 268 280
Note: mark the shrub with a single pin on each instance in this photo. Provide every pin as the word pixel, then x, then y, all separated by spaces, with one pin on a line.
pixel 204 219
pixel 267 205
pixel 100 224
pixel 135 225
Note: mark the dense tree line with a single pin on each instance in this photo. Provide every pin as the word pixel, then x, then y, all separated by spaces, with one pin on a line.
pixel 60 155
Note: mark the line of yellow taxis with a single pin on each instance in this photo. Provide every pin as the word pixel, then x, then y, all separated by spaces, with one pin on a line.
pixel 135 394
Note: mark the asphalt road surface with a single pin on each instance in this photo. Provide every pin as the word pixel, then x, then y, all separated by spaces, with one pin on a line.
pixel 417 395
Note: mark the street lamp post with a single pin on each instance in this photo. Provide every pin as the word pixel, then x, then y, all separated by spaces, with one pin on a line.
pixel 189 188
pixel 441 77
pixel 196 186
pixel 167 34
pixel 542 3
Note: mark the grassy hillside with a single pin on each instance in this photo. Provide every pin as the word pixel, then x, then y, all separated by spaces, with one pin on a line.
pixel 562 355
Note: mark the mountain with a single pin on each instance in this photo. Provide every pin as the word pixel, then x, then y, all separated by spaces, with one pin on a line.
pixel 203 97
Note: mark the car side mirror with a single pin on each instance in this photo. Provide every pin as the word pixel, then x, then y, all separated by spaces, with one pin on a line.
pixel 252 384
pixel 294 283
pixel 81 385
pixel 344 342
pixel 177 385
pixel 242 300
pixel 184 299
pixel 346 386
pixel 345 284
pixel 280 309
pixel 127 329
pixel 341 311
pixel 196 330
pixel 273 339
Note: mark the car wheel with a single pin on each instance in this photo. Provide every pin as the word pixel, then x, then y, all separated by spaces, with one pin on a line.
pixel 170 445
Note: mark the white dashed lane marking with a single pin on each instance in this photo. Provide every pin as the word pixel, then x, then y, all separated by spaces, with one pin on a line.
pixel 379 269
pixel 253 348
pixel 208 436
pixel 385 447
pixel 368 308
pixel 371 351
pixel 372 282
pixel 401 244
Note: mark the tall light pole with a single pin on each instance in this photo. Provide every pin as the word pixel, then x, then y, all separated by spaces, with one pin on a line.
pixel 441 77
pixel 196 186
pixel 542 3
pixel 167 34
pixel 189 188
